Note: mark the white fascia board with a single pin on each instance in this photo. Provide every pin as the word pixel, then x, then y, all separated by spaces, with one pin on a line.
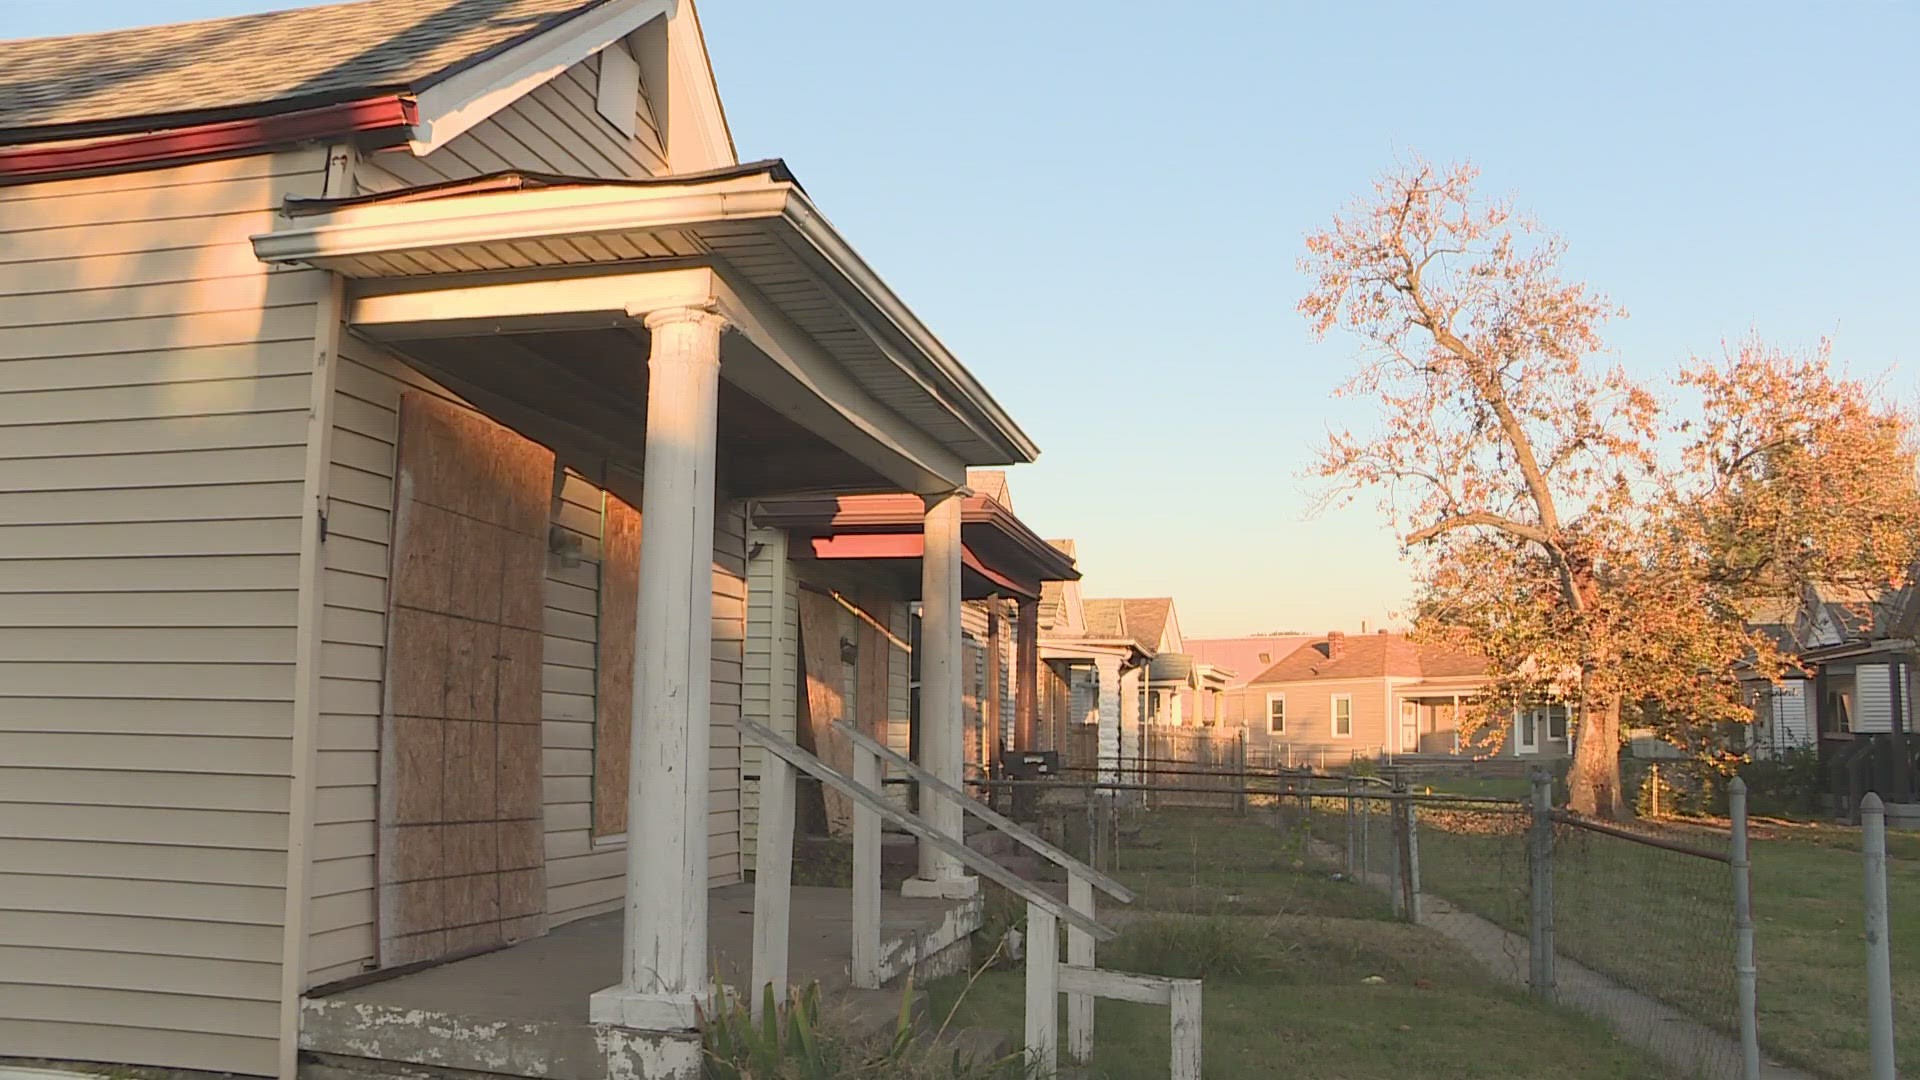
pixel 378 228
pixel 874 290
pixel 448 109
pixel 403 307
pixel 1083 650
pixel 848 415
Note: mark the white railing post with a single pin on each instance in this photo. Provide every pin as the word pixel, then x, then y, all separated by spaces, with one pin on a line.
pixel 772 882
pixel 1043 993
pixel 1873 835
pixel 1079 954
pixel 1184 1003
pixel 866 875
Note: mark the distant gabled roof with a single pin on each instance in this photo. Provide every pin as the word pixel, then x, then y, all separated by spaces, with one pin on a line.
pixel 253 65
pixel 1147 620
pixel 1367 656
pixel 1106 619
pixel 992 483
pixel 1143 620
pixel 1246 656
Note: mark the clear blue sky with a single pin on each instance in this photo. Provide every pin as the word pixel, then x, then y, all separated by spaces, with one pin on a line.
pixel 1098 207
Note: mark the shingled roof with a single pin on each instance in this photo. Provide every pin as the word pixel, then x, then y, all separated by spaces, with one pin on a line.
pixel 1370 656
pixel 1142 620
pixel 1106 619
pixel 254 65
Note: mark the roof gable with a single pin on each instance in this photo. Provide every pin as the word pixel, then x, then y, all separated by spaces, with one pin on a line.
pixel 249 64
pixel 1062 611
pixel 1246 657
pixel 435 68
pixel 1370 656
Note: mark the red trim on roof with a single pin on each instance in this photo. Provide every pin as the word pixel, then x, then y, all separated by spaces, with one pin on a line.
pixel 907 546
pixel 391 114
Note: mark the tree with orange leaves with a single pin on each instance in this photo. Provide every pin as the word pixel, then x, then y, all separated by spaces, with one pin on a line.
pixel 1552 535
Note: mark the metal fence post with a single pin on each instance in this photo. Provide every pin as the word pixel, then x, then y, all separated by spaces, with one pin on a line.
pixel 1397 862
pixel 1240 801
pixel 1540 879
pixel 1306 816
pixel 1873 835
pixel 1743 969
pixel 1352 830
pixel 1366 838
pixel 1412 812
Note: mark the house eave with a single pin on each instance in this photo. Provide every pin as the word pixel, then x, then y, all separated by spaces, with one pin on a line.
pixel 516 227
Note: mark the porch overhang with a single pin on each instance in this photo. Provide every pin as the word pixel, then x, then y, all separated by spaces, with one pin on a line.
pixel 1000 555
pixel 1087 651
pixel 522 253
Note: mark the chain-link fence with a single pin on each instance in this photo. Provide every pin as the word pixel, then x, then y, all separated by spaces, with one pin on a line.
pixel 1653 913
pixel 1629 923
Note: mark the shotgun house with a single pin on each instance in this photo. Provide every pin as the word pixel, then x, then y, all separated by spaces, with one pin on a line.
pixel 1181 690
pixel 384 388
pixel 1378 696
pixel 1091 707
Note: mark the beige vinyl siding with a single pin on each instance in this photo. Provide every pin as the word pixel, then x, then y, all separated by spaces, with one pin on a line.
pixel 582 878
pixel 567 703
pixel 761 698
pixel 153 399
pixel 900 697
pixel 555 129
pixel 1310 720
pixel 729 655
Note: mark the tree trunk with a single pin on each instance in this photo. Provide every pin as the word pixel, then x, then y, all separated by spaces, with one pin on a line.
pixel 1593 785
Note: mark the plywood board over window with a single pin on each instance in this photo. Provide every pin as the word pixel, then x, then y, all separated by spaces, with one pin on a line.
pixel 461 859
pixel 826 683
pixel 613 713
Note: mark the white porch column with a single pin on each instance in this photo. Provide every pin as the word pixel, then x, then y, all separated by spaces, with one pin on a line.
pixel 664 947
pixel 1133 725
pixel 1114 741
pixel 942 740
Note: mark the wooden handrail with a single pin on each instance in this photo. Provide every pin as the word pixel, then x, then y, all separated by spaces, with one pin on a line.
pixel 799 758
pixel 987 814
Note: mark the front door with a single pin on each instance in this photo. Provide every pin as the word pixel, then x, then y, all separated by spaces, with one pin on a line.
pixel 1409 727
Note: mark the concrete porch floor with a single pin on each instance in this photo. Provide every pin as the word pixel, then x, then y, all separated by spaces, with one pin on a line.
pixel 522 1010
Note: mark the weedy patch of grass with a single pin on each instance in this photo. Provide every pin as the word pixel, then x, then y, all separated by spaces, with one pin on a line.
pixel 1299 1005
pixel 1204 864
pixel 1195 947
pixel 798 1040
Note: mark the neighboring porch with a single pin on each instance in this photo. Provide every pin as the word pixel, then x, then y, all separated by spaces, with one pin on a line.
pixel 523 1010
pixel 691 344
pixel 1104 680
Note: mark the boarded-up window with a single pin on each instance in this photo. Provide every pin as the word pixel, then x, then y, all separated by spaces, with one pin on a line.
pixel 825 698
pixel 613 717
pixel 461 854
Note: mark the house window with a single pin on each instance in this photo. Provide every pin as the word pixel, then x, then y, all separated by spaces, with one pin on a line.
pixel 1557 722
pixel 1528 721
pixel 1342 716
pixel 1276 714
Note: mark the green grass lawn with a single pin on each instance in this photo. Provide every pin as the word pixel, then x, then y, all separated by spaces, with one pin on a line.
pixel 1662 922
pixel 1285 948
